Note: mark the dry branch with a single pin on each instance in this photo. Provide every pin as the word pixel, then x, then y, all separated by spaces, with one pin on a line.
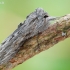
pixel 55 33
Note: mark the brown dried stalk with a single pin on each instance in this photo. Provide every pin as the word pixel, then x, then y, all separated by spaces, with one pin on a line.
pixel 56 32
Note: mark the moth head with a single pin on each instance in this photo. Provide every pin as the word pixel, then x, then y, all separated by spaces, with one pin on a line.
pixel 42 14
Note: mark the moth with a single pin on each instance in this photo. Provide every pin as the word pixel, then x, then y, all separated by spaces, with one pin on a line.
pixel 36 22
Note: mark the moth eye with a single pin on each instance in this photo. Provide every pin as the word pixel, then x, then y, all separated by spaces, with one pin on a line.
pixel 46 16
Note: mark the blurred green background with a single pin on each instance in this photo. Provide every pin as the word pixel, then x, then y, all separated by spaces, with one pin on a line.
pixel 12 12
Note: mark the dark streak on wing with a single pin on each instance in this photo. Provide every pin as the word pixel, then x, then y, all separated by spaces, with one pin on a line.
pixel 32 21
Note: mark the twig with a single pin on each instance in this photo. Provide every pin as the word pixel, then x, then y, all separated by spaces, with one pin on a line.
pixel 55 33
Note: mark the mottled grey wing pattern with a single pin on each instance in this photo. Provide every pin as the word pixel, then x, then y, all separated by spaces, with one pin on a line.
pixel 34 23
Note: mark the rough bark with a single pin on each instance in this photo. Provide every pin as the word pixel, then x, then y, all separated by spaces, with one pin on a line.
pixel 16 48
